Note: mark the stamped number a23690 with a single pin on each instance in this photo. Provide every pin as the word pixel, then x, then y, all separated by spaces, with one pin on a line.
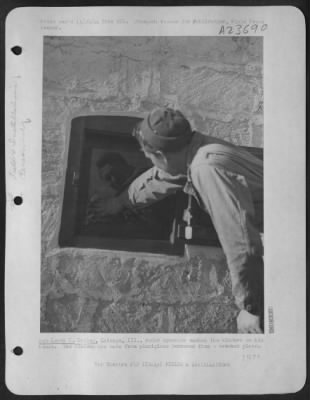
pixel 239 29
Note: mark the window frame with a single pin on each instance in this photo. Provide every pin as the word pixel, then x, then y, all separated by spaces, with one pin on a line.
pixel 79 147
pixel 69 235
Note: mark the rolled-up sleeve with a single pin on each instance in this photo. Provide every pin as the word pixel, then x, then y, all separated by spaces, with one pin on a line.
pixel 152 186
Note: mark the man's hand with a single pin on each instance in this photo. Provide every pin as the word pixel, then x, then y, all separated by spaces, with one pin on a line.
pixel 248 323
pixel 111 206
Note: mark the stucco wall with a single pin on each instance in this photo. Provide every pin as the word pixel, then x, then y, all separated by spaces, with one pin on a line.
pixel 217 83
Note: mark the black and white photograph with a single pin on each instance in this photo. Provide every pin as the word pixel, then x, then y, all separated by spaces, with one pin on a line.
pixel 155 188
pixel 152 185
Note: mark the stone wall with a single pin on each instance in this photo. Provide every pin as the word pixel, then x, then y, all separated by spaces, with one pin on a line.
pixel 217 83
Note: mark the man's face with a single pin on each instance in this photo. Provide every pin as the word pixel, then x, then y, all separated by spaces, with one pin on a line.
pixel 157 160
pixel 107 180
pixel 170 163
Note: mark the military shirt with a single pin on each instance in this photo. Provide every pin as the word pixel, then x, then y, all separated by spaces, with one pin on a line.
pixel 227 183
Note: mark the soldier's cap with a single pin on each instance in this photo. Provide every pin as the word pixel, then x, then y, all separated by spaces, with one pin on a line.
pixel 165 129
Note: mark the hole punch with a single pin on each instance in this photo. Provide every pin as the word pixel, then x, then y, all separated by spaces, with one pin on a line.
pixel 18 351
pixel 17 50
pixel 18 200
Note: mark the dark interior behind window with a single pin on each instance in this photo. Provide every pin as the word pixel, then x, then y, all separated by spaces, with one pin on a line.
pixel 149 229
pixel 158 228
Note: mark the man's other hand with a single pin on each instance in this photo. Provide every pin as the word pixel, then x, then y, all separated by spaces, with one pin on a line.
pixel 248 323
pixel 105 207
